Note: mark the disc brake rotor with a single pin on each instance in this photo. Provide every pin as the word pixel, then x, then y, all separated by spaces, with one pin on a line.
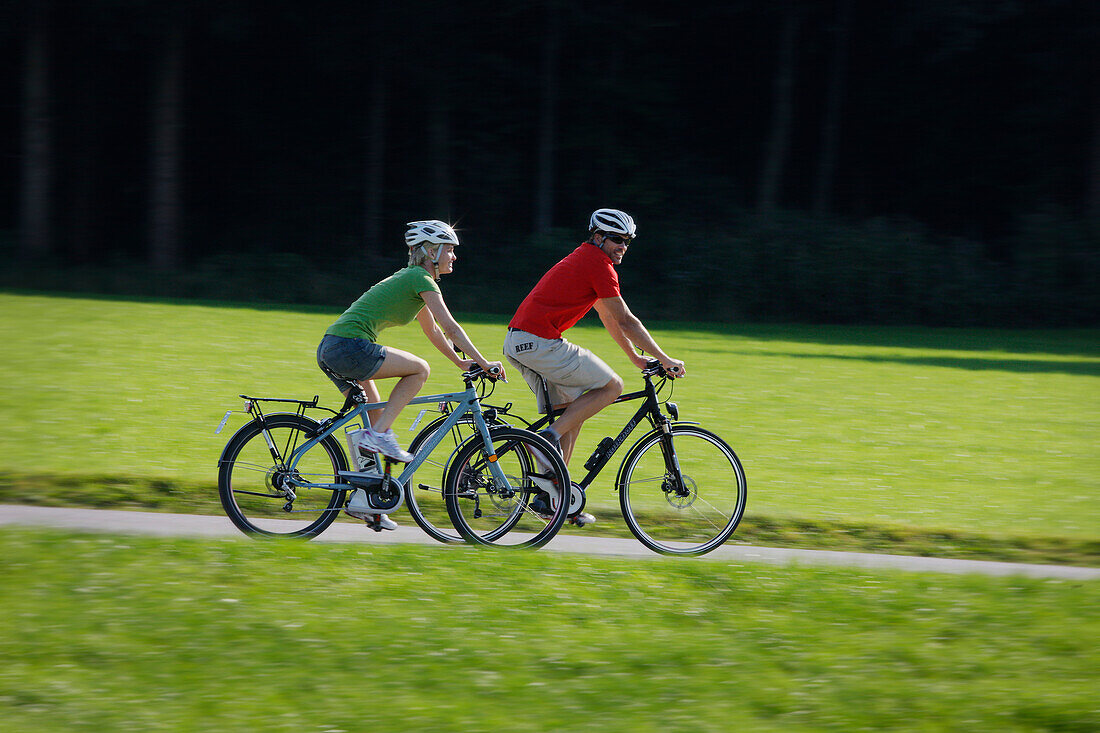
pixel 680 500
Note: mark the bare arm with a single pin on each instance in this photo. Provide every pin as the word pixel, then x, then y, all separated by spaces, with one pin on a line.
pixel 628 332
pixel 439 339
pixel 439 325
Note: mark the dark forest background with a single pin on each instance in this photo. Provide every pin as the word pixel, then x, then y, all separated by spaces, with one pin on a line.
pixel 851 161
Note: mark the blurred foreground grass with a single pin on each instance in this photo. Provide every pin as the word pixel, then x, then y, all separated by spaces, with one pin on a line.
pixel 957 442
pixel 134 633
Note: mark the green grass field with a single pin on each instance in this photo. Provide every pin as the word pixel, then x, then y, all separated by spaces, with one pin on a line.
pixel 951 442
pixel 135 633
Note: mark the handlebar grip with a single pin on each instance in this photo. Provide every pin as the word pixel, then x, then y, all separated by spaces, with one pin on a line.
pixel 476 372
pixel 654 367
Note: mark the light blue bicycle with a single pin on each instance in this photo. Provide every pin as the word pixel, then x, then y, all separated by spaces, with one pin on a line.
pixel 284 474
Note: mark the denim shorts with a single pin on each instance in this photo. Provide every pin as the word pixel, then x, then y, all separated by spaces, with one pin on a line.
pixel 342 359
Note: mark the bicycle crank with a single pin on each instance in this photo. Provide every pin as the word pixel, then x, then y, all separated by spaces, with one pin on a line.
pixel 577 499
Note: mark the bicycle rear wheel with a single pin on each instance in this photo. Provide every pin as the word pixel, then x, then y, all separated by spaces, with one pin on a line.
pixel 691 516
pixel 254 482
pixel 488 512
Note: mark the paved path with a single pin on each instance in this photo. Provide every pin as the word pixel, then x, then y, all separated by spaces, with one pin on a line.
pixel 154 523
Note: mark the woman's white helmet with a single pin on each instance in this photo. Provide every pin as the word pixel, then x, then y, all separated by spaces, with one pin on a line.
pixel 430 232
pixel 612 221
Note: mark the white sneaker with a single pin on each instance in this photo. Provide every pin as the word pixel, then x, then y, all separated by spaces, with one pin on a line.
pixel 360 509
pixel 382 520
pixel 582 518
pixel 384 443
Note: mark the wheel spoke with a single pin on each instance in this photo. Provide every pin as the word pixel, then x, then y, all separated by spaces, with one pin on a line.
pixel 705 514
pixel 486 513
pixel 263 498
pixel 425 500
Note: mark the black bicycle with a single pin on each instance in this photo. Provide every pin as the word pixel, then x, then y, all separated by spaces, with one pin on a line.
pixel 682 489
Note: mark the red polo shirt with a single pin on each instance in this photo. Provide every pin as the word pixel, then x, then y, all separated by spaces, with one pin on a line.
pixel 567 292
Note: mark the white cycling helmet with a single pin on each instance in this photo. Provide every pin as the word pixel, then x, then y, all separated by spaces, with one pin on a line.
pixel 612 221
pixel 430 231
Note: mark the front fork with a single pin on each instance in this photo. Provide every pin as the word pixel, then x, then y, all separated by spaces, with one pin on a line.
pixel 672 463
pixel 490 450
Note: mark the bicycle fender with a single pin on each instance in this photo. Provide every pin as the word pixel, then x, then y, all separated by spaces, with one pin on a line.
pixel 263 422
pixel 233 439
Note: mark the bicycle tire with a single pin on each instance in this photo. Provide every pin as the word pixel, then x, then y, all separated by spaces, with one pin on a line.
pixel 470 489
pixel 250 479
pixel 690 519
pixel 425 501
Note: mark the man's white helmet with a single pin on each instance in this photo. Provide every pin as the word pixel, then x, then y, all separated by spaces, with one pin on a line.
pixel 612 221
pixel 430 232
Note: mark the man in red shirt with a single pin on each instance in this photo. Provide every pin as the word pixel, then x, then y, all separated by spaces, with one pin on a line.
pixel 577 379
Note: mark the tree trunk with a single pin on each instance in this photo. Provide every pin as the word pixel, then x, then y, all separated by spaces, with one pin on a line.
pixel 830 129
pixel 1092 204
pixel 439 130
pixel 778 145
pixel 164 209
pixel 608 174
pixel 81 235
pixel 35 233
pixel 376 158
pixel 544 182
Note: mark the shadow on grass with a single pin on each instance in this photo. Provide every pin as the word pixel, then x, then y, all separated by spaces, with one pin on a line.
pixel 1037 366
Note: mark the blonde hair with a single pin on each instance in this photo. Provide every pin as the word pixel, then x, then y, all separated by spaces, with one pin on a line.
pixel 420 254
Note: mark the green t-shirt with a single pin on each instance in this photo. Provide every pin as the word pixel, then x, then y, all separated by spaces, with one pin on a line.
pixel 392 302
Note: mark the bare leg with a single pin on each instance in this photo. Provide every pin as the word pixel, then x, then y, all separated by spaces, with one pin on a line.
pixel 412 372
pixel 568 426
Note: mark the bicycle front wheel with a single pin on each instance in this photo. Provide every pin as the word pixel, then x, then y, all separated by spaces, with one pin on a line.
pixel 523 510
pixel 256 487
pixel 682 494
pixel 424 493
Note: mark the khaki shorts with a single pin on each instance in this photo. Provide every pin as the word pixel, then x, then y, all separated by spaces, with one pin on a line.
pixel 569 370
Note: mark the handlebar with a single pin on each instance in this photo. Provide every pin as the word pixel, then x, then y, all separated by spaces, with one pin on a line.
pixel 476 372
pixel 653 368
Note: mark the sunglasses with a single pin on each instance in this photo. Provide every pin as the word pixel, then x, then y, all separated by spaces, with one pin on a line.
pixel 618 239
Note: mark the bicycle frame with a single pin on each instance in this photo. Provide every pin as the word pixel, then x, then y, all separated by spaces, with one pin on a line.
pixel 650 410
pixel 468 405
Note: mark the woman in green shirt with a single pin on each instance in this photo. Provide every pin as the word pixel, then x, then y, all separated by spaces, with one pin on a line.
pixel 349 350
